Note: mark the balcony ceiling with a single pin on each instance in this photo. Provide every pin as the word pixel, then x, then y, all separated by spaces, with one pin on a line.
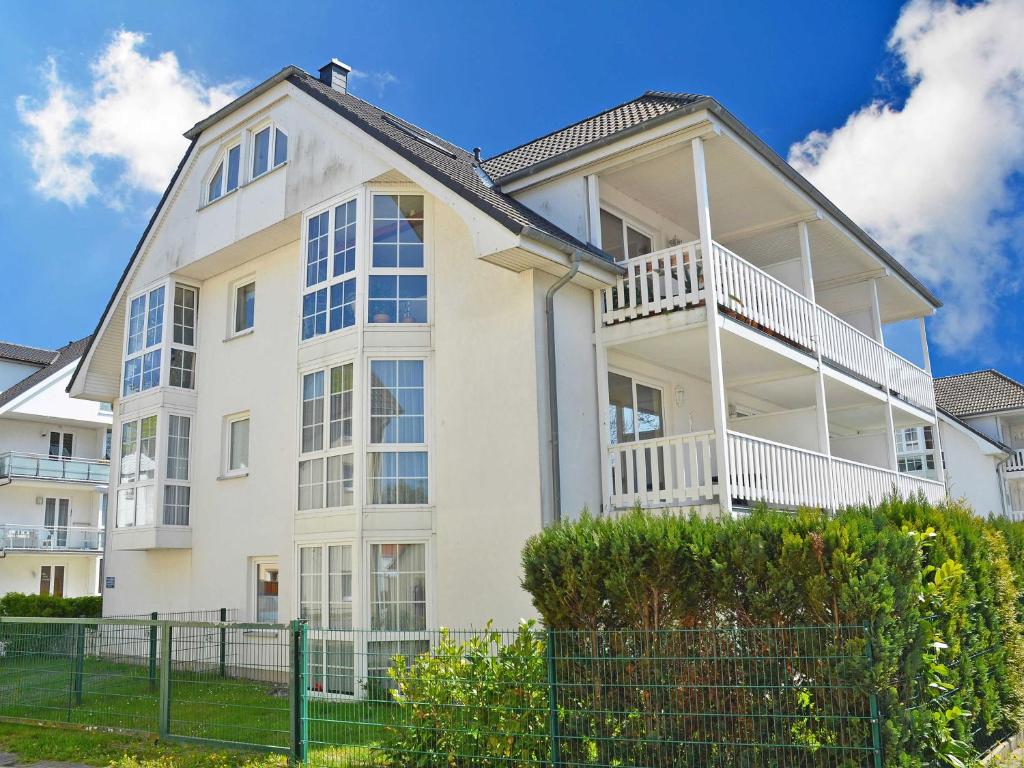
pixel 753 213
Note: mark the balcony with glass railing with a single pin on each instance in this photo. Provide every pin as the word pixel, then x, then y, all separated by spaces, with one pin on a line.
pixel 18 465
pixel 50 538
pixel 673 279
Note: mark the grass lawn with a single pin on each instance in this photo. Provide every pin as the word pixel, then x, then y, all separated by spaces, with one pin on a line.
pixel 40 687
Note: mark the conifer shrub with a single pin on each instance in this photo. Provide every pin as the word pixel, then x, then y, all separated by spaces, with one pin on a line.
pixel 934 586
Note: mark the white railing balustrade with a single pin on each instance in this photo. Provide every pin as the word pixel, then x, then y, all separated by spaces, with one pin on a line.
pixel 911 382
pixel 680 470
pixel 663 471
pixel 1016 461
pixel 50 538
pixel 673 278
pixel 762 470
pixel 767 303
pixel 39 466
pixel 850 348
pixel 656 282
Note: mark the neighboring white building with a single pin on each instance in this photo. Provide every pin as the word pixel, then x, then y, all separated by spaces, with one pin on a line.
pixel 992 405
pixel 54 468
pixel 330 364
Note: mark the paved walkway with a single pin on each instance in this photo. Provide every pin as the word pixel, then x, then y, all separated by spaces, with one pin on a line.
pixel 8 760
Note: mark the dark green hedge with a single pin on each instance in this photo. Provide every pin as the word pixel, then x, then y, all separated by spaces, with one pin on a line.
pixel 18 604
pixel 934 585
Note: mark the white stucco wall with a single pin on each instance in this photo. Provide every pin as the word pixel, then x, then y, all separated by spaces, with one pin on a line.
pixel 20 573
pixel 971 470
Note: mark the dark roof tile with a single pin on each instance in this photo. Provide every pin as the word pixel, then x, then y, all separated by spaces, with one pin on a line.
pixel 651 105
pixel 969 394
pixel 62 357
pixel 19 353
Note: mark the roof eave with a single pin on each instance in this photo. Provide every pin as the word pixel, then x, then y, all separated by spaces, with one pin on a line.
pixel 253 93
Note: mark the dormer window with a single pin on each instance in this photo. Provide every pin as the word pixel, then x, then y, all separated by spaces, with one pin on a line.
pixel 268 142
pixel 225 177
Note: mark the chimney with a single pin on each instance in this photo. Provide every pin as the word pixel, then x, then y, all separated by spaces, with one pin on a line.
pixel 335 74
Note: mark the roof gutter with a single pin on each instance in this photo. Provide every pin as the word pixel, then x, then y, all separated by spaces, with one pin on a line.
pixel 591 257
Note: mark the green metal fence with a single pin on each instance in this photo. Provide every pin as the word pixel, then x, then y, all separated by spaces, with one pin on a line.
pixel 732 696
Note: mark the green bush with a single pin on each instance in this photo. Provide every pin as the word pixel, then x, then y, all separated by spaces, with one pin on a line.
pixel 19 604
pixel 478 702
pixel 934 585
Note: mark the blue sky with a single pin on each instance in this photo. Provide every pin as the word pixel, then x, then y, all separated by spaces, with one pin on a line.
pixel 496 74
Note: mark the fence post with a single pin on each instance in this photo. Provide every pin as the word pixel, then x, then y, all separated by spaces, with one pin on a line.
pixel 223 642
pixel 79 662
pixel 152 651
pixel 299 695
pixel 164 726
pixel 556 758
pixel 876 731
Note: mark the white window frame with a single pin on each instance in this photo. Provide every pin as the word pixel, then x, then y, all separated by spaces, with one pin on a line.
pixel 371 447
pixel 271 148
pixel 226 470
pixel 222 161
pixel 254 566
pixel 182 347
pixel 61 433
pixel 146 349
pixel 357 273
pixel 628 222
pixel 398 271
pixel 654 384
pixel 325 632
pixel 236 286
pixel 326 452
pixel 138 483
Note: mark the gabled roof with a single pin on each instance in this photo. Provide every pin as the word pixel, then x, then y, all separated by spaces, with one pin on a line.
pixel 590 130
pixel 648 110
pixel 18 353
pixel 449 164
pixel 971 394
pixel 57 361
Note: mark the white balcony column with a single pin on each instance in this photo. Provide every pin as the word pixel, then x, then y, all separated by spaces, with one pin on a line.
pixel 593 210
pixel 820 404
pixel 876 312
pixel 925 354
pixel 718 402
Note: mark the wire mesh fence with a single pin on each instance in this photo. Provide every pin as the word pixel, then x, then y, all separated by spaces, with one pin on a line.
pixel 337 698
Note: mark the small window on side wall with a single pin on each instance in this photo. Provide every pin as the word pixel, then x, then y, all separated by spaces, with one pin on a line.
pixel 226 178
pixel 236 445
pixel 266 578
pixel 245 307
pixel 267 143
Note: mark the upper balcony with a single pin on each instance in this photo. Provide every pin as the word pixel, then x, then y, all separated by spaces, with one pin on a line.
pixel 673 279
pixel 50 538
pixel 18 465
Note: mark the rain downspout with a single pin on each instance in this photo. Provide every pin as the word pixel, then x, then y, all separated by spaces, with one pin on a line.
pixel 549 314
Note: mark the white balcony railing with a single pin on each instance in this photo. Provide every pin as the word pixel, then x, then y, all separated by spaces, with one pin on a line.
pixel 664 471
pixel 1016 461
pixel 50 538
pixel 38 466
pixel 680 470
pixel 674 278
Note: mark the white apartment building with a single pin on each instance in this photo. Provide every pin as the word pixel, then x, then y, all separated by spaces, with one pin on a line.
pixel 54 468
pixel 353 366
pixel 988 472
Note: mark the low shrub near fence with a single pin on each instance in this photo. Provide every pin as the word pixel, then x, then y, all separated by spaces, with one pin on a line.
pixel 19 604
pixel 933 584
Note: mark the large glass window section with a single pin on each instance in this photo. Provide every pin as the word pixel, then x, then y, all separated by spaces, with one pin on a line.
pixel 311 586
pixel 326 434
pixel 635 410
pixel 398 587
pixel 339 586
pixel 397 291
pixel 183 361
pixel 331 304
pixel 397 475
pixel 325 599
pixel 915 451
pixel 142 346
pixel 178 440
pixel 136 491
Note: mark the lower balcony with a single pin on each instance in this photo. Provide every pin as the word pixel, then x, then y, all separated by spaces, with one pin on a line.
pixel 680 471
pixel 19 465
pixel 1015 463
pixel 145 537
pixel 50 538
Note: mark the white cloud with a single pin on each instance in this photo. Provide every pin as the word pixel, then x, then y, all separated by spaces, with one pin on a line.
pixel 129 119
pixel 933 178
pixel 379 80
